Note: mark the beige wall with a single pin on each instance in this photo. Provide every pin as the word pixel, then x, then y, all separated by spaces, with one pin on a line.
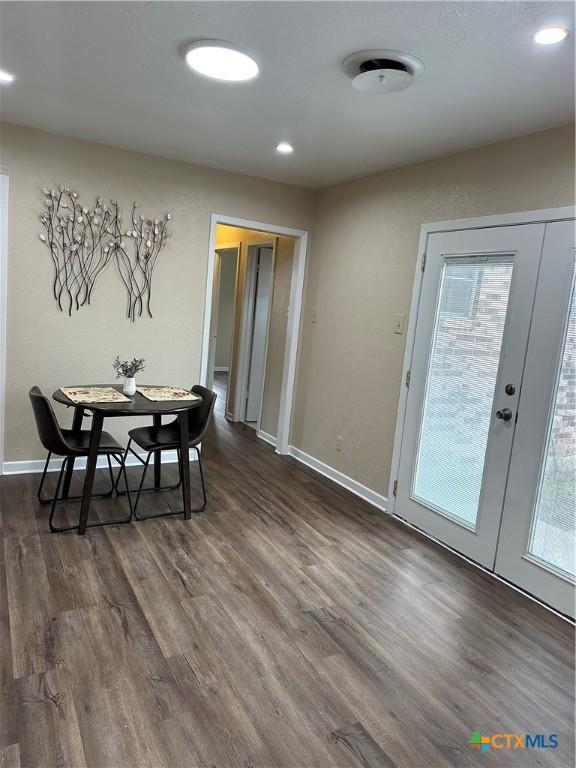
pixel 48 348
pixel 360 272
pixel 360 275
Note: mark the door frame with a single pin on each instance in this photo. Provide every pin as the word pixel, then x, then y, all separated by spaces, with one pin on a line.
pixel 246 329
pixel 4 189
pixel 287 392
pixel 481 222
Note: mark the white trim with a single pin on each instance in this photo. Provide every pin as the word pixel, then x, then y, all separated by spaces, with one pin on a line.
pixel 37 465
pixel 294 313
pixel 376 499
pixel 208 306
pixel 479 222
pixel 221 369
pixel 541 216
pixel 3 306
pixel 266 437
pixel 291 348
pixel 409 349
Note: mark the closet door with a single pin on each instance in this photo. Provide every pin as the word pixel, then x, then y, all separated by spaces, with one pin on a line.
pixel 536 549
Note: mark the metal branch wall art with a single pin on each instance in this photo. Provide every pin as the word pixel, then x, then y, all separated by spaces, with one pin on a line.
pixel 82 242
pixel 76 239
pixel 136 252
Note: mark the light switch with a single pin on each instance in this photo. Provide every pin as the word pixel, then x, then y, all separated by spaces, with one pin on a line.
pixel 399 323
pixel 314 316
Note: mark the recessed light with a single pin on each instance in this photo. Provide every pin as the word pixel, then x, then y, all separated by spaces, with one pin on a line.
pixel 550 35
pixel 221 61
pixel 284 148
pixel 6 77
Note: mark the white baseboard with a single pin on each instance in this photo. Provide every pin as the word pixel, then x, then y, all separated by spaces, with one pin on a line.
pixel 221 369
pixel 266 437
pixel 376 499
pixel 31 467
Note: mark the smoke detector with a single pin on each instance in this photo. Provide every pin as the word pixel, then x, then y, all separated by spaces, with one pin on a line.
pixel 382 71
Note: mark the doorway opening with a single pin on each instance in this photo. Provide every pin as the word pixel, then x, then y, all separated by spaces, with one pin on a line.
pixel 252 318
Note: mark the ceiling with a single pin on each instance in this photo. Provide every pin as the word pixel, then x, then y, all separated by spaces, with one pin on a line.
pixel 113 72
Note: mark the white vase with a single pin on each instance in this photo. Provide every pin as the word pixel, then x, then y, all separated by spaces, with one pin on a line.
pixel 129 387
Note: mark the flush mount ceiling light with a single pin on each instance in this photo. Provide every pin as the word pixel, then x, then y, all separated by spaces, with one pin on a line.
pixel 6 77
pixel 550 35
pixel 284 148
pixel 220 60
pixel 382 71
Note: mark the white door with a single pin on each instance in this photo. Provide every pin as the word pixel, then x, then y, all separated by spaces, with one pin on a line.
pixel 471 337
pixel 262 292
pixel 537 539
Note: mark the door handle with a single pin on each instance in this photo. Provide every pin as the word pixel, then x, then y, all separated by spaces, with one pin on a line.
pixel 504 415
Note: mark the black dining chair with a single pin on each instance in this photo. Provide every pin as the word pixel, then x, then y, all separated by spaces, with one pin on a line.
pixel 72 445
pixel 167 437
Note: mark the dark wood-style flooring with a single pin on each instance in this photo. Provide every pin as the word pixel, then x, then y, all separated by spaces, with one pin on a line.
pixel 291 624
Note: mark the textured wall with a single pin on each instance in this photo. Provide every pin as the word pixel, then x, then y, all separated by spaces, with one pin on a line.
pixel 361 271
pixel 48 348
pixel 360 274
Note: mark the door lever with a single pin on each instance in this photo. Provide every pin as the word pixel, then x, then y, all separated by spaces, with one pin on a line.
pixel 504 415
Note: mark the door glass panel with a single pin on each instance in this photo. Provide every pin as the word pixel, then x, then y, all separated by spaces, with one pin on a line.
pixel 553 534
pixel 462 371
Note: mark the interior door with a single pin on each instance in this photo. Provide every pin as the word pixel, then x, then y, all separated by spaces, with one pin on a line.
pixel 536 549
pixel 471 336
pixel 263 285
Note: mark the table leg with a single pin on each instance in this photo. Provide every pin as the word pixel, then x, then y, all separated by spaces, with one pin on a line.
pixel 76 427
pixel 91 461
pixel 185 463
pixel 157 455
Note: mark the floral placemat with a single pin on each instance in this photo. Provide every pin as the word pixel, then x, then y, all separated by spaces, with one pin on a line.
pixel 163 394
pixel 94 395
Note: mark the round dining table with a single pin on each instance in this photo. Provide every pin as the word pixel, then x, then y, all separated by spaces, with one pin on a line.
pixel 138 405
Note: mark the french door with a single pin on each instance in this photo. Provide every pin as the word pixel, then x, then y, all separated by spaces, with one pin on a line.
pixel 537 539
pixel 488 447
